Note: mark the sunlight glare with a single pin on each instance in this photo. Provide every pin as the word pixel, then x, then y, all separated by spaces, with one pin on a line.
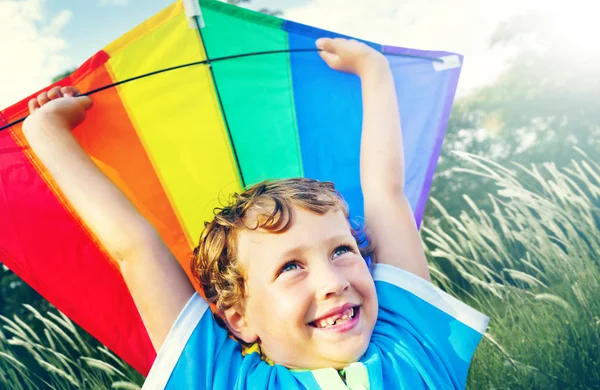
pixel 575 25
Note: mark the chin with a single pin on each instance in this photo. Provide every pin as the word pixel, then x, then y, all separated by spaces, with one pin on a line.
pixel 342 363
pixel 343 358
pixel 337 359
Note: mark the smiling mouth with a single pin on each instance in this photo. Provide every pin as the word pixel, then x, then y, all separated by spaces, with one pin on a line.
pixel 336 320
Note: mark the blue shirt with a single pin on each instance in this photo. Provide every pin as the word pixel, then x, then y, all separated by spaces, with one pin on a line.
pixel 423 338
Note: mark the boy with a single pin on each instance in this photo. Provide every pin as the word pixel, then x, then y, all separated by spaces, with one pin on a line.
pixel 282 265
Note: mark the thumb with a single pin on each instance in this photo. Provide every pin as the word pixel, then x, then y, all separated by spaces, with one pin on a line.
pixel 84 101
pixel 326 44
pixel 328 52
pixel 330 59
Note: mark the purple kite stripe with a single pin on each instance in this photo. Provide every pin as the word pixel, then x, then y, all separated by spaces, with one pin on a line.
pixel 415 52
pixel 439 139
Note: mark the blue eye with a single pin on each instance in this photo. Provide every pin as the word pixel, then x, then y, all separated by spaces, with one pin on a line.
pixel 340 250
pixel 291 266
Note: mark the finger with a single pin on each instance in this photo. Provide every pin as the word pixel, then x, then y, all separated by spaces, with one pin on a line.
pixel 326 44
pixel 69 91
pixel 42 98
pixel 54 93
pixel 85 101
pixel 33 105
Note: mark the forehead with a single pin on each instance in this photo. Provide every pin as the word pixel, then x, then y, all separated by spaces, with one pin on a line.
pixel 307 229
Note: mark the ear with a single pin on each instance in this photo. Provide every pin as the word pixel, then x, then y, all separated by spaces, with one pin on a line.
pixel 238 325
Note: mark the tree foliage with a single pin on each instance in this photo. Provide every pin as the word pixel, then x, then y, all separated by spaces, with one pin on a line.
pixel 62 75
pixel 543 106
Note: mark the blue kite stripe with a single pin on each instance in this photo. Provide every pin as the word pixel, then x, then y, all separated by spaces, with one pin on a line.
pixel 329 124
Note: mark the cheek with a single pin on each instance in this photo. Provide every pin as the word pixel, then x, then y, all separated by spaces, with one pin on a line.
pixel 362 281
pixel 280 307
pixel 365 287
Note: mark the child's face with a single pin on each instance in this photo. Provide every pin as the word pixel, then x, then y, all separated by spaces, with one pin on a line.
pixel 296 280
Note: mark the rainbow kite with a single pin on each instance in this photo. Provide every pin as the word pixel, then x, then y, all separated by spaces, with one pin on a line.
pixel 199 101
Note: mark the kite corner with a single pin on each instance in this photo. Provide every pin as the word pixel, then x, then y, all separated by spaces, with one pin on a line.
pixel 193 11
pixel 448 62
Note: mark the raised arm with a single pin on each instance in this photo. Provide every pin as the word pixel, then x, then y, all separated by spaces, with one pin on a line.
pixel 388 214
pixel 157 283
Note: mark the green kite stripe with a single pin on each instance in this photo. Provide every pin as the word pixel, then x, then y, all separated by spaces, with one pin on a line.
pixel 256 92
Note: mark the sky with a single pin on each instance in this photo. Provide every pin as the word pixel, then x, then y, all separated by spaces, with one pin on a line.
pixel 42 38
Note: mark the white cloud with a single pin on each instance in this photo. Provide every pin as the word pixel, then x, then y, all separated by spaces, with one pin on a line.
pixel 57 23
pixel 462 26
pixel 31 47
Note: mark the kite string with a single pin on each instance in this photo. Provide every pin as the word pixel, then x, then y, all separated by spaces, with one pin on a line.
pixel 187 65
pixel 208 62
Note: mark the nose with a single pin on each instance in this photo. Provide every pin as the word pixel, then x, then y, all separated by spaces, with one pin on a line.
pixel 331 282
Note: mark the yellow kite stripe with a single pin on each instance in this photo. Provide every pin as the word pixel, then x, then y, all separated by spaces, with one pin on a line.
pixel 191 153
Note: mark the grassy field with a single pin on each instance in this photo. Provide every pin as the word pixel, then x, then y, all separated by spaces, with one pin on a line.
pixel 531 264
pixel 57 359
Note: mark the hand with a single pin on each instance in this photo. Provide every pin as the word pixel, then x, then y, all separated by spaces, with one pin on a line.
pixel 58 106
pixel 350 56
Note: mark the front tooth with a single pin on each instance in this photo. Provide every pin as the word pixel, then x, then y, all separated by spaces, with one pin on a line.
pixel 347 313
pixel 331 321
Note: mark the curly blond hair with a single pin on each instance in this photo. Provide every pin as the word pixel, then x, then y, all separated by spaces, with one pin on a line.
pixel 267 205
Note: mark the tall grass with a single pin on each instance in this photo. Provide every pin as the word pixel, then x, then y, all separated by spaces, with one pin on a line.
pixel 531 264
pixel 57 359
